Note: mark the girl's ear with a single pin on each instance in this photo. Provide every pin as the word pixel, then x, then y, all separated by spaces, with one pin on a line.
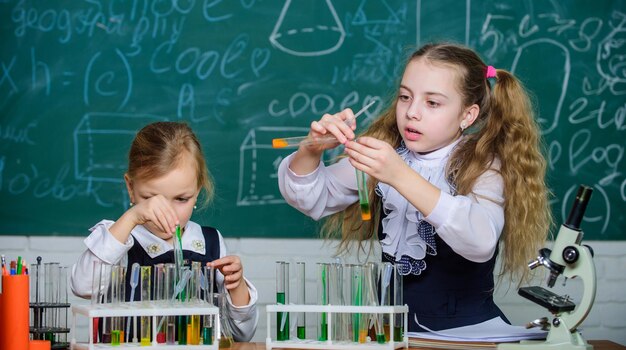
pixel 129 188
pixel 471 113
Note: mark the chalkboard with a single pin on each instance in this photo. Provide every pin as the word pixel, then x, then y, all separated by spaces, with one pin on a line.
pixel 79 78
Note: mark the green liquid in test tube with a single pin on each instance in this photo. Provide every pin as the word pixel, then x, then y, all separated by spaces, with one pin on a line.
pixel 282 297
pixel 300 299
pixel 361 182
pixel 322 299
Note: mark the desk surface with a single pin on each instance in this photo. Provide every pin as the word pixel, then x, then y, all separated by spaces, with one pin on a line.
pixel 597 345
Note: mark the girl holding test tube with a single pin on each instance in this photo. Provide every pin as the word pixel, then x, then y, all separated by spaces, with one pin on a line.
pixel 166 175
pixel 455 175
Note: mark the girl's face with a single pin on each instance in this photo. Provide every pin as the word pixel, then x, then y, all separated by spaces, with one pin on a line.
pixel 179 187
pixel 429 111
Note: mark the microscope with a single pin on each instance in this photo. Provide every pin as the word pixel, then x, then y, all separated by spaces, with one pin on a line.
pixel 571 259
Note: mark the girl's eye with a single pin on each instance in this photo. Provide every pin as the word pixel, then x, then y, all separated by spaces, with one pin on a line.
pixel 182 200
pixel 404 98
pixel 432 104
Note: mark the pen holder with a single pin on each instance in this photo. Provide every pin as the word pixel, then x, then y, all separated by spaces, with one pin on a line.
pixel 14 312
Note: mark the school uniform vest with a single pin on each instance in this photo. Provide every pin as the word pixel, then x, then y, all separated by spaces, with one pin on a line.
pixel 451 292
pixel 137 254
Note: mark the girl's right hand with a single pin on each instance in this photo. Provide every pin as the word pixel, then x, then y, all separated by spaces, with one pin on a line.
pixel 157 214
pixel 334 125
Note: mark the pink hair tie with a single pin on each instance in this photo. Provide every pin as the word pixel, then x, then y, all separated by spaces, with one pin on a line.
pixel 491 76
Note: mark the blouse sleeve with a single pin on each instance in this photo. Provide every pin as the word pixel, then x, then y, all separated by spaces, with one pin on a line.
pixel 102 246
pixel 471 225
pixel 242 319
pixel 325 191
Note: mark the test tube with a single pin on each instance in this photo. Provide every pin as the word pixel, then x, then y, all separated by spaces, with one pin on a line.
pixel 356 298
pixel 207 324
pixel 361 182
pixel 301 299
pixel 51 297
pixel 387 271
pixel 322 299
pixel 146 289
pixel 169 281
pixel 95 296
pixel 159 294
pixel 282 297
pixel 193 328
pixel 335 297
pixel 182 320
pixel 116 327
pixel 105 297
pixel 398 299
pixel 377 332
pixel 226 338
pixel 34 282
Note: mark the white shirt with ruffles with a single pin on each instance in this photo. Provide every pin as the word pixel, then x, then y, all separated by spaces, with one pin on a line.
pixel 470 224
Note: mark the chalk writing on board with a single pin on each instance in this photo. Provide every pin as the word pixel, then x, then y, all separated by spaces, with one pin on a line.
pixel 300 34
pixel 244 71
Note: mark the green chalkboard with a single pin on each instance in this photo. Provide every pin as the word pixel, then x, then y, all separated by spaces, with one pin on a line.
pixel 79 78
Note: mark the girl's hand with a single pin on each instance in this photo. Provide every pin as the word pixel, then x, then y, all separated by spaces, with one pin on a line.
pixel 333 125
pixel 376 158
pixel 230 266
pixel 157 213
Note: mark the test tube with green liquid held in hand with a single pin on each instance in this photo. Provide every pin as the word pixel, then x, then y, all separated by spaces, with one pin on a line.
pixel 361 181
pixel 300 299
pixel 207 286
pixel 322 299
pixel 398 299
pixel 146 296
pixel 282 297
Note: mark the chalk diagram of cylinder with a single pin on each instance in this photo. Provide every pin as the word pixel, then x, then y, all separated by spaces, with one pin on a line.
pixel 298 32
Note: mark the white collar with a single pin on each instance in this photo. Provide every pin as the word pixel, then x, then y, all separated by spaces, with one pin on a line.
pixel 192 240
pixel 402 219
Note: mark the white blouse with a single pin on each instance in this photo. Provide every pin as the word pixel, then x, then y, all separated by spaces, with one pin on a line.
pixel 471 225
pixel 103 247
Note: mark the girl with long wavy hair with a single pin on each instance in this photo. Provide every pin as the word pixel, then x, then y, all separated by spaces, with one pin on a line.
pixel 456 175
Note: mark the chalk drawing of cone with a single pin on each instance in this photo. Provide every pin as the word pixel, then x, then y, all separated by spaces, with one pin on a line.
pixel 305 29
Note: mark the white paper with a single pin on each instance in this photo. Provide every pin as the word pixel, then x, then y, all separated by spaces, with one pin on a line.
pixel 494 330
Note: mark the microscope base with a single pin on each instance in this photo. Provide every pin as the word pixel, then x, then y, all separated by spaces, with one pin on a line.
pixel 559 338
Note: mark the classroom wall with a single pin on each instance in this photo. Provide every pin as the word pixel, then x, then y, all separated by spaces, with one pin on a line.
pixel 607 319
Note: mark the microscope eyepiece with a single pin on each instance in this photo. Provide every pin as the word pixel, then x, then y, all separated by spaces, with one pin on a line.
pixel 578 208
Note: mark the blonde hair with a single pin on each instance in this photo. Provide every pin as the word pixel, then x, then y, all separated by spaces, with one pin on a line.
pixel 159 147
pixel 505 129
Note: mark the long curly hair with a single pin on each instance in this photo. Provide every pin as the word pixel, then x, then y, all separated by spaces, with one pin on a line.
pixel 505 129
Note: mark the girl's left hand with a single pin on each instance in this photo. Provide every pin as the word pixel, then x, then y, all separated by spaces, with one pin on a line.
pixel 376 158
pixel 230 266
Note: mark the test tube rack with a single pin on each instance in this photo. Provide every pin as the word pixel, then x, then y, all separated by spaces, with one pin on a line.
pixel 38 331
pixel 138 309
pixel 294 343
